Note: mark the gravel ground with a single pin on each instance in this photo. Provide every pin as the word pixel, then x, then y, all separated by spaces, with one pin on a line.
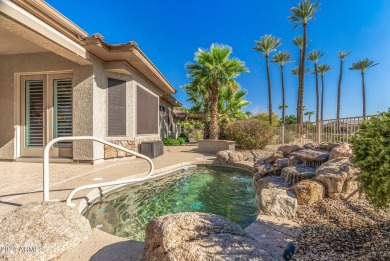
pixel 338 230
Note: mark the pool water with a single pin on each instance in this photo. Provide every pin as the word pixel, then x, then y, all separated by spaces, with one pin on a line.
pixel 224 191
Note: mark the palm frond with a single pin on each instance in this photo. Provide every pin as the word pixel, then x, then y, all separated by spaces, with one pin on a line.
pixel 342 55
pixel 267 44
pixel 363 65
pixel 282 58
pixel 314 56
pixel 323 68
pixel 304 13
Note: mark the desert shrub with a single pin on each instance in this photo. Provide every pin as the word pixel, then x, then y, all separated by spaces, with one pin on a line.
pixel 250 133
pixel 169 141
pixel 371 147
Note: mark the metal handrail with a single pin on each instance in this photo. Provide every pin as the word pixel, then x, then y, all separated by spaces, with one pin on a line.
pixel 46 188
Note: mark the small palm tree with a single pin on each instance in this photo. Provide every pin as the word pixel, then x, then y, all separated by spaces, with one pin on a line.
pixel 342 56
pixel 362 66
pixel 314 56
pixel 282 58
pixel 309 113
pixel 322 69
pixel 301 15
pixel 266 45
pixel 214 68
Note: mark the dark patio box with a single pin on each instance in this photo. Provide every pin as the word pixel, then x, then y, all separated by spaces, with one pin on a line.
pixel 152 148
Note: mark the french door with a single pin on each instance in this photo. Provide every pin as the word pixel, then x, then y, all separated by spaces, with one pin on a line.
pixel 46 113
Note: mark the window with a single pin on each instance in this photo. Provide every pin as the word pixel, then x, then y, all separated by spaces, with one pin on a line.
pixel 116 108
pixel 147 112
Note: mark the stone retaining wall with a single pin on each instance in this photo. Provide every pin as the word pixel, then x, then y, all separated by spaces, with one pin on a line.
pixel 111 152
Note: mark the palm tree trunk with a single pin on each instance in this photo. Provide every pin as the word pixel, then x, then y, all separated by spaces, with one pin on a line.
pixel 269 91
pixel 298 97
pixel 206 126
pixel 283 97
pixel 322 98
pixel 302 77
pixel 364 96
pixel 317 95
pixel 339 97
pixel 214 111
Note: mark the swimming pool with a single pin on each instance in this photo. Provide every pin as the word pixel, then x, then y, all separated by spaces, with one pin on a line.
pixel 220 190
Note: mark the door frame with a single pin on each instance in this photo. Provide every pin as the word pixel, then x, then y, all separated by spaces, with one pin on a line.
pixel 19 102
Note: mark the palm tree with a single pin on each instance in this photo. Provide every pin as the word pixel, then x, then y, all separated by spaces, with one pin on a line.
pixel 314 56
pixel 322 69
pixel 282 58
pixel 362 66
pixel 295 72
pixel 214 68
pixel 301 15
pixel 342 56
pixel 266 45
pixel 309 113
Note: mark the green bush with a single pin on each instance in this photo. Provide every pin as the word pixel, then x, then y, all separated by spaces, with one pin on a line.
pixel 169 141
pixel 250 133
pixel 181 140
pixel 371 147
pixel 182 135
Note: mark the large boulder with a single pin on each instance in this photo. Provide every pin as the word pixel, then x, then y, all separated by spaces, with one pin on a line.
pixel 43 230
pixel 310 146
pixel 275 156
pixel 339 178
pixel 293 160
pixel 199 236
pixel 275 198
pixel 342 151
pixel 229 156
pixel 288 149
pixel 265 170
pixel 328 145
pixel 296 173
pixel 308 192
pixel 281 163
pixel 312 156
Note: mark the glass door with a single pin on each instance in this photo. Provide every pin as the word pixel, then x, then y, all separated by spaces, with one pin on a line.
pixel 46 113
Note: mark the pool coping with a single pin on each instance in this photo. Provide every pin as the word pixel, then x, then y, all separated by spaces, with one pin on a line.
pixel 93 195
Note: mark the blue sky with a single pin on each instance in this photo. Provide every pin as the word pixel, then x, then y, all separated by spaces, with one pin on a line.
pixel 169 32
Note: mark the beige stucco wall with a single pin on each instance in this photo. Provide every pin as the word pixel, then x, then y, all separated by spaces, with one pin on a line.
pixel 13 65
pixel 89 101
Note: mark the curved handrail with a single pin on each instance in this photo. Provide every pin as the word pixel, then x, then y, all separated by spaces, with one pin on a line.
pixel 46 188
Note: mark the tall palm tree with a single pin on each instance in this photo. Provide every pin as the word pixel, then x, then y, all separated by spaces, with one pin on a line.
pixel 301 15
pixel 266 45
pixel 322 69
pixel 282 58
pixel 342 56
pixel 314 56
pixel 295 72
pixel 309 113
pixel 298 42
pixel 362 66
pixel 215 68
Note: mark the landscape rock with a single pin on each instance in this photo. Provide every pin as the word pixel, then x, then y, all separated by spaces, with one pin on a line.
pixel 229 157
pixel 281 163
pixel 342 151
pixel 339 178
pixel 293 160
pixel 328 145
pixel 288 149
pixel 310 146
pixel 296 173
pixel 199 236
pixel 308 192
pixel 275 198
pixel 50 227
pixel 312 156
pixel 276 155
pixel 264 171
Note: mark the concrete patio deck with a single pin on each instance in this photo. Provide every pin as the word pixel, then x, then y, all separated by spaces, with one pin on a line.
pixel 21 182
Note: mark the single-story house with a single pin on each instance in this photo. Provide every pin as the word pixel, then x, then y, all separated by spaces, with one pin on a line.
pixel 56 81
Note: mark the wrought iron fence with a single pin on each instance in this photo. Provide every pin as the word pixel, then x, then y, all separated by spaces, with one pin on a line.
pixel 316 132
